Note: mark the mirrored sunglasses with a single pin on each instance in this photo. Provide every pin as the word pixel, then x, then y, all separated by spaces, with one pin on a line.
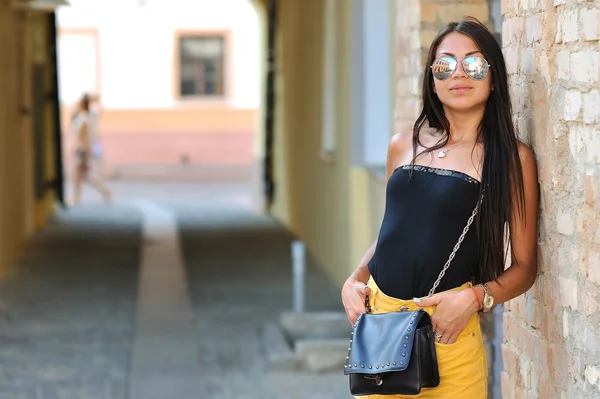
pixel 475 67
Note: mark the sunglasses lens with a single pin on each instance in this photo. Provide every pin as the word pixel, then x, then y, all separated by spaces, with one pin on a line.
pixel 476 67
pixel 443 68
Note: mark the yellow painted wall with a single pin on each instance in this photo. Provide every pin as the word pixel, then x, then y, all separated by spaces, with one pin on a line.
pixel 23 41
pixel 312 195
pixel 335 207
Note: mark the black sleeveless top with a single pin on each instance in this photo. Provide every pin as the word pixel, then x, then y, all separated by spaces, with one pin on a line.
pixel 425 213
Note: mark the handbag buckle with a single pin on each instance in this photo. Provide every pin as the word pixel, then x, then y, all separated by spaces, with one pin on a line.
pixel 377 378
pixel 404 308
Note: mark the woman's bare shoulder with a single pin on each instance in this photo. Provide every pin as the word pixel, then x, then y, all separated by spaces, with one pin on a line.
pixel 403 141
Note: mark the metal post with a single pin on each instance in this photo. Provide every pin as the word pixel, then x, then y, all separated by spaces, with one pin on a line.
pixel 298 269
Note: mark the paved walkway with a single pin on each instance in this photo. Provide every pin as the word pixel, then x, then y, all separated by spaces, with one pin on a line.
pixel 76 325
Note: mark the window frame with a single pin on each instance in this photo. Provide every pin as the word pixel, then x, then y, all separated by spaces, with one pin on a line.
pixel 373 82
pixel 329 89
pixel 227 70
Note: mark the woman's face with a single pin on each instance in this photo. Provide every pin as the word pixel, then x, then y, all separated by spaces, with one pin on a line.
pixel 461 90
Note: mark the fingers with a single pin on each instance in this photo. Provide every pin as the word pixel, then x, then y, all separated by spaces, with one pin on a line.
pixel 445 337
pixel 353 298
pixel 452 339
pixel 366 291
pixel 433 300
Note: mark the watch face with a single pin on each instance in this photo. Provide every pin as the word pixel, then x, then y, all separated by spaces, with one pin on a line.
pixel 488 302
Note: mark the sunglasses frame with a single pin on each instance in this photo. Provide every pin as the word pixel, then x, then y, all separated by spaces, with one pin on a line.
pixel 461 62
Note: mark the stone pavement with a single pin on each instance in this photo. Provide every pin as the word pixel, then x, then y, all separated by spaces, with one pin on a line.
pixel 67 308
pixel 68 303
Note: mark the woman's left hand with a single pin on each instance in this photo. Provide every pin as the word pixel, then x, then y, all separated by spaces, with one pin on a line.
pixel 452 313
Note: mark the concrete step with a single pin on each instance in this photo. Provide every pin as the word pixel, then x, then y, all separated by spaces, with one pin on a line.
pixel 315 325
pixel 277 349
pixel 314 341
pixel 319 355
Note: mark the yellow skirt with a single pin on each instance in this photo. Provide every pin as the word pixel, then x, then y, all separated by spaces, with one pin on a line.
pixel 462 365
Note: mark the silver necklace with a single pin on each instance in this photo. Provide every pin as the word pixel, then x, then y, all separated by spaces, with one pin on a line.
pixel 442 153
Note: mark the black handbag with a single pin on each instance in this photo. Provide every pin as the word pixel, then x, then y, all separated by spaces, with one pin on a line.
pixel 394 353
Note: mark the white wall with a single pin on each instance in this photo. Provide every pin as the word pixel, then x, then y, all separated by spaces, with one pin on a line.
pixel 136 42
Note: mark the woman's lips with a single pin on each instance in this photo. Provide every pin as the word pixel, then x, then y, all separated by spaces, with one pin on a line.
pixel 461 89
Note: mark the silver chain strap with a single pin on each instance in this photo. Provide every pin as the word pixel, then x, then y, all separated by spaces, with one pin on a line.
pixel 456 247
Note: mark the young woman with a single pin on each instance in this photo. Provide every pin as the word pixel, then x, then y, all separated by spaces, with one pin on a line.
pixel 83 152
pixel 463 150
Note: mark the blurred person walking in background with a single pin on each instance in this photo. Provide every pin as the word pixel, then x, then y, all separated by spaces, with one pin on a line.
pixel 87 150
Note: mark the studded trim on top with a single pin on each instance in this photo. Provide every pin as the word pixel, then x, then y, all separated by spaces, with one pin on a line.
pixel 441 172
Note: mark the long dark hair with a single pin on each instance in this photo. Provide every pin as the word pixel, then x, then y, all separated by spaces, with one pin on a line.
pixel 502 176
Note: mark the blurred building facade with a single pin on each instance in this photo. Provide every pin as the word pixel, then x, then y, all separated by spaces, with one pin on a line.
pixel 178 81
pixel 29 132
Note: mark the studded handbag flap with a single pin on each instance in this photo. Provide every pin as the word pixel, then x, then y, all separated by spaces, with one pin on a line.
pixel 372 354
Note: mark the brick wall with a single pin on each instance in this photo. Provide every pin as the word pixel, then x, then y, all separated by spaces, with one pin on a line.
pixel 551 343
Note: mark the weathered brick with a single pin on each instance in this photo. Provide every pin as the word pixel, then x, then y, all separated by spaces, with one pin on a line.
pixel 544 69
pixel 590 190
pixel 563 60
pixel 527 61
pixel 590 24
pixel 594 267
pixel 557 359
pixel 525 372
pixel 541 352
pixel 514 30
pixel 511 55
pixel 589 302
pixel 454 12
pixel 568 26
pixel 568 292
pixel 534 379
pixel 565 324
pixel 427 37
pixel 504 7
pixel 546 388
pixel 533 28
pixel 591 107
pixel 428 12
pixel 584 66
pixel 577 141
pixel 511 358
pixel 592 344
pixel 508 386
pixel 592 375
pixel 564 223
pixel 572 105
pixel 415 40
pixel 534 314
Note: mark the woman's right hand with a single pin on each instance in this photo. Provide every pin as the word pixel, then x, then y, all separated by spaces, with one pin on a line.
pixel 354 294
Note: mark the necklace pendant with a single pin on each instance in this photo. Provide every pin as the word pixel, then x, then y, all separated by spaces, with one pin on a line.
pixel 442 154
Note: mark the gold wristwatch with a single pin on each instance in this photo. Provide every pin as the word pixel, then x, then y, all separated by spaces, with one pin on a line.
pixel 488 298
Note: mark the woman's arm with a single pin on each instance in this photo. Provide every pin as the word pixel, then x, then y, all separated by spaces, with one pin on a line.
pixel 399 143
pixel 355 288
pixel 521 274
